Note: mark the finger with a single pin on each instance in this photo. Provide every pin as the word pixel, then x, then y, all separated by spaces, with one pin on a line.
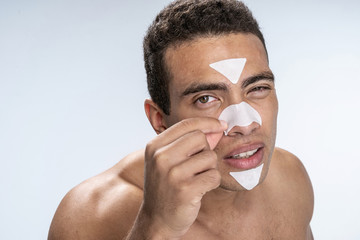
pixel 181 149
pixel 204 182
pixel 213 139
pixel 195 165
pixel 204 124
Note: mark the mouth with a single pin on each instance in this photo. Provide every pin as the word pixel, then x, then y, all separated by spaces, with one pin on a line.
pixel 244 154
pixel 245 158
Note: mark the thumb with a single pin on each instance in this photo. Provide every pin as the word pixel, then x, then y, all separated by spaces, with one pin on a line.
pixel 213 139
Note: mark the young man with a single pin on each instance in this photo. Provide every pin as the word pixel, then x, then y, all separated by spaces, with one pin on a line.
pixel 204 178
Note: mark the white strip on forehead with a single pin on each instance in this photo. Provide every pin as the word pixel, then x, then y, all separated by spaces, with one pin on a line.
pixel 241 114
pixel 230 68
pixel 249 178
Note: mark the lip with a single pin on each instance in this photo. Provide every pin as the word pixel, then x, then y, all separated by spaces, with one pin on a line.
pixel 245 163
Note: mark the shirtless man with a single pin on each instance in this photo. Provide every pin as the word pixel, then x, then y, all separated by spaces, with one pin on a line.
pixel 180 186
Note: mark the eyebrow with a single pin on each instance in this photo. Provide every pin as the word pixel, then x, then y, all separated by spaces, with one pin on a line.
pixel 195 88
pixel 268 75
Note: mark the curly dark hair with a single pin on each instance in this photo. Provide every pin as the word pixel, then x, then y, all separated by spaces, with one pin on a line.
pixel 185 20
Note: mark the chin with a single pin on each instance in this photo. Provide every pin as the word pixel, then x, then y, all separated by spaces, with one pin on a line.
pixel 232 186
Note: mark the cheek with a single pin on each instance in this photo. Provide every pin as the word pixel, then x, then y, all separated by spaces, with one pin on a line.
pixel 275 112
pixel 212 113
pixel 177 113
pixel 269 115
pixel 186 111
pixel 181 114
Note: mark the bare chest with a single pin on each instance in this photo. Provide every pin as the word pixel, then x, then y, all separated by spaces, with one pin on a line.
pixel 273 225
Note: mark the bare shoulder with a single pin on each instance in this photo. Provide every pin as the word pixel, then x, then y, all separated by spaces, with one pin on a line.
pixel 292 180
pixel 104 206
pixel 289 166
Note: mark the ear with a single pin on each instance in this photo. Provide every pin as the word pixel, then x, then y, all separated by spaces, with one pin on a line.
pixel 155 116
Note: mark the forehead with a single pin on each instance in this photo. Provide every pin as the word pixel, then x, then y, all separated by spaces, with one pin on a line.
pixel 189 61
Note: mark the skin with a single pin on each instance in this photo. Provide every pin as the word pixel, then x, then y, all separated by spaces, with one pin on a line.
pixel 186 191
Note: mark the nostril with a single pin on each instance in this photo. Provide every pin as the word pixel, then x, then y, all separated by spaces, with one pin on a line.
pixel 243 130
pixel 242 116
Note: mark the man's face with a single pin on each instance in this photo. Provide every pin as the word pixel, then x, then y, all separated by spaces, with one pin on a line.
pixel 197 90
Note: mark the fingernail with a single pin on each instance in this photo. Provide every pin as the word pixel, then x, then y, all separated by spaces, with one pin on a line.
pixel 223 123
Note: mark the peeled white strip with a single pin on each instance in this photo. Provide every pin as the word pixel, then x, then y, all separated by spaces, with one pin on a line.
pixel 230 68
pixel 249 178
pixel 241 114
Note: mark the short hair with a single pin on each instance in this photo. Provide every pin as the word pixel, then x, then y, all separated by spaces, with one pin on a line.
pixel 185 20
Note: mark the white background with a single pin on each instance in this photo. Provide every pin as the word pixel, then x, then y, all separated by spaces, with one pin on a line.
pixel 72 86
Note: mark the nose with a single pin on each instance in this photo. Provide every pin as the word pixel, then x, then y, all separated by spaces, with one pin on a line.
pixel 243 130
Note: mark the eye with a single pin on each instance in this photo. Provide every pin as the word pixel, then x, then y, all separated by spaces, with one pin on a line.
pixel 259 91
pixel 205 101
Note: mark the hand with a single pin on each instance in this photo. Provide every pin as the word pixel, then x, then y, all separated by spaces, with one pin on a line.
pixel 180 167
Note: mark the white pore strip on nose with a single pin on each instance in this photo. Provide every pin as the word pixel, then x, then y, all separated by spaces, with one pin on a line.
pixel 241 114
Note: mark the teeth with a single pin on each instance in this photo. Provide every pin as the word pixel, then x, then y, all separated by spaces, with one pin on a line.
pixel 245 154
